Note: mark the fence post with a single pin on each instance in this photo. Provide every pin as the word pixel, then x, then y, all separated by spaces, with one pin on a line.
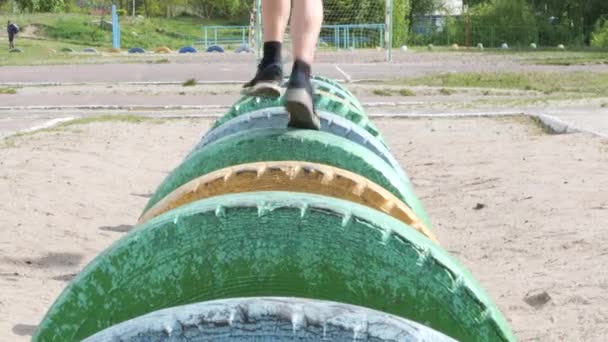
pixel 206 39
pixel 258 31
pixel 388 39
pixel 115 29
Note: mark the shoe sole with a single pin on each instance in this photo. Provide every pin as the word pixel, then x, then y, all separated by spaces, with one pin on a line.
pixel 299 105
pixel 263 89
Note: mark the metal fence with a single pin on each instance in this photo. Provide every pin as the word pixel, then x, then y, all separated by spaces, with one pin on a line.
pixel 352 36
pixel 225 36
pixel 458 30
pixel 345 28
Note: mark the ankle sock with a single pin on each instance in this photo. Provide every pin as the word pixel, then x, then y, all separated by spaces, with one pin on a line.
pixel 300 73
pixel 272 53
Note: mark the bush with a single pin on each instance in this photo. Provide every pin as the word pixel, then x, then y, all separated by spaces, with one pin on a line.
pixel 599 38
pixel 401 9
pixel 499 21
pixel 32 6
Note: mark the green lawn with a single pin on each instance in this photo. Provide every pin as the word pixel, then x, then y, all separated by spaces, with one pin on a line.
pixel 589 83
pixel 86 30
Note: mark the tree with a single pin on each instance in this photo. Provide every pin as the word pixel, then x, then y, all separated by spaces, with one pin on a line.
pixel 579 14
pixel 40 5
pixel 423 7
pixel 498 21
pixel 220 9
pixel 401 10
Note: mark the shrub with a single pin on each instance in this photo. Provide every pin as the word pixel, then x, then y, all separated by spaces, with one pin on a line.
pixel 599 38
pixel 72 29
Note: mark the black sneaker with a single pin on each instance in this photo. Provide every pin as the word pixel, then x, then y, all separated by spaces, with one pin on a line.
pixel 299 101
pixel 267 82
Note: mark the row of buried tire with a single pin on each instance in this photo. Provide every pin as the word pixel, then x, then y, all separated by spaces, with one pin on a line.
pixel 191 49
pixel 259 217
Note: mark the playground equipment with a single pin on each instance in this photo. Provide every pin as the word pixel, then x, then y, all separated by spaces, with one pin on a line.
pixel 267 232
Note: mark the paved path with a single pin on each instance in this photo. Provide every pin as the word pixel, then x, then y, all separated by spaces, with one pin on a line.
pixel 28 107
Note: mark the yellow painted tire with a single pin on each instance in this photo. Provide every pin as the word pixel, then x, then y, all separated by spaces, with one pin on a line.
pixel 293 176
pixel 163 49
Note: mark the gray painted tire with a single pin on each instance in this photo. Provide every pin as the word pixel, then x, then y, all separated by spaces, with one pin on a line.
pixel 268 319
pixel 277 117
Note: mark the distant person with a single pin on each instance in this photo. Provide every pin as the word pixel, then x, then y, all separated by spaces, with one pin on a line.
pixel 12 30
pixel 305 27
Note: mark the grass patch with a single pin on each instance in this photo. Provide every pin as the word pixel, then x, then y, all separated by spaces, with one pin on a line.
pixel 382 92
pixel 160 61
pixel 406 92
pixel 579 58
pixel 75 29
pixel 446 91
pixel 148 33
pixel 391 92
pixel 110 118
pixel 4 90
pixel 548 83
pixel 11 140
pixel 604 105
pixel 189 83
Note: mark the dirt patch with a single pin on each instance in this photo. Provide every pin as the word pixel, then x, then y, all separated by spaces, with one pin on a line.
pixel 539 227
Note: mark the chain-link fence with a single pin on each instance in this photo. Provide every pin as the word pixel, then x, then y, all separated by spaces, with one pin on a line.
pixel 360 29
pixel 465 31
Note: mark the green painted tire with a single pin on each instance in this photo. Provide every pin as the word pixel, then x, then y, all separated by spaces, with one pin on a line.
pixel 323 102
pixel 293 145
pixel 269 319
pixel 332 87
pixel 275 244
pixel 321 79
pixel 278 118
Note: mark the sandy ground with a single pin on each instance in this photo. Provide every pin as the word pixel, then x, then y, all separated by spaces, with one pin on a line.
pixel 66 195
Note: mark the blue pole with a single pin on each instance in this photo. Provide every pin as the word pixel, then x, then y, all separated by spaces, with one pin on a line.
pixel 115 29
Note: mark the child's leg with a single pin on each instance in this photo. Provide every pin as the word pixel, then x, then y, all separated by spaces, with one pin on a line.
pixel 305 28
pixel 275 15
pixel 268 79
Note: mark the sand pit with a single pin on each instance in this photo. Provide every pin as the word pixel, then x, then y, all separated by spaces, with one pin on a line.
pixel 525 211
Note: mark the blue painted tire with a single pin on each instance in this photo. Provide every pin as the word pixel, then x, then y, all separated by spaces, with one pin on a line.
pixel 215 48
pixel 137 50
pixel 277 118
pixel 269 319
pixel 188 49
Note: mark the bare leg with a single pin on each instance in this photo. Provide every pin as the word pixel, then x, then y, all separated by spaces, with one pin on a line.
pixel 275 15
pixel 268 79
pixel 305 28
